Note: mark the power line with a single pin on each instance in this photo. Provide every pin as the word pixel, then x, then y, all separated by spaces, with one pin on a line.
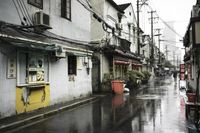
pixel 165 23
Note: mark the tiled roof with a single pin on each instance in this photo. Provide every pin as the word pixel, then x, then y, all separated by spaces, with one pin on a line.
pixel 115 6
pixel 124 6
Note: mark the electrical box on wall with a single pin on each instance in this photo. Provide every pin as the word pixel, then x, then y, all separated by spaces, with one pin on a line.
pixel 60 52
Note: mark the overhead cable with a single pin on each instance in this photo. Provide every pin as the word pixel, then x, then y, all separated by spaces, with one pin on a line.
pixel 18 12
pixel 23 14
pixel 26 11
pixel 165 23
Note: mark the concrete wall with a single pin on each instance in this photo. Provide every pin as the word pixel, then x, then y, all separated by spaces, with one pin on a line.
pixel 77 28
pixel 110 14
pixel 74 29
pixel 147 50
pixel 61 89
pixel 58 79
pixel 7 86
pixel 97 32
pixel 129 18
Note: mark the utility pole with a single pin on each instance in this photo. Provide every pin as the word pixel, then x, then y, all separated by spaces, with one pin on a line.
pixel 138 27
pixel 152 40
pixel 174 60
pixel 138 22
pixel 166 52
pixel 177 61
pixel 158 44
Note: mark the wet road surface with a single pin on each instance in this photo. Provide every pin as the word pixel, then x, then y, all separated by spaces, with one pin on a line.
pixel 156 108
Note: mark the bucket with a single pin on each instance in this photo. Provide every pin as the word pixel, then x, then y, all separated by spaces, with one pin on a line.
pixel 118 86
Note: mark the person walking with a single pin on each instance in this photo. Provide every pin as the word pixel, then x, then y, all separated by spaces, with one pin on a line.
pixel 175 75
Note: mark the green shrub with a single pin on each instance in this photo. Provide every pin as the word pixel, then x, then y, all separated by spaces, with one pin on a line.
pixel 146 74
pixel 132 77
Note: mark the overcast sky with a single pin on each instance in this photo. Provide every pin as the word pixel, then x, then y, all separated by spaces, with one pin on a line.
pixel 177 11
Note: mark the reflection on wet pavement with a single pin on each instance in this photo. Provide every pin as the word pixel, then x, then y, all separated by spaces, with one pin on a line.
pixel 156 108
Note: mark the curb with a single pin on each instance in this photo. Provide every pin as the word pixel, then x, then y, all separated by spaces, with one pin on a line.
pixel 44 115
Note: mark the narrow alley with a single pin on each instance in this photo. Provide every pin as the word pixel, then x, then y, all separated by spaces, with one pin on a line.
pixel 99 66
pixel 155 108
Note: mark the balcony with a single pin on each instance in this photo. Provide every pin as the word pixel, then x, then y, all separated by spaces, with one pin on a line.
pixel 124 44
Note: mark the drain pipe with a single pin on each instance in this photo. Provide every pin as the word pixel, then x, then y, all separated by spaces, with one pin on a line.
pixel 198 75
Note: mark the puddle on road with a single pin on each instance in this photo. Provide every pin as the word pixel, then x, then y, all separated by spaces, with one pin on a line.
pixel 148 97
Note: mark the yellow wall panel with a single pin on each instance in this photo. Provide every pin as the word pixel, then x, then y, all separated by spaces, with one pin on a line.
pixel 33 99
pixel 19 102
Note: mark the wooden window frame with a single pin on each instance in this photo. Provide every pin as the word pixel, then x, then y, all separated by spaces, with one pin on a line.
pixel 72 65
pixel 34 3
pixel 64 11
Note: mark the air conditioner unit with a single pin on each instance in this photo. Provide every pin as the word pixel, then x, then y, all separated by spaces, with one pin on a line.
pixel 42 20
pixel 119 26
pixel 60 52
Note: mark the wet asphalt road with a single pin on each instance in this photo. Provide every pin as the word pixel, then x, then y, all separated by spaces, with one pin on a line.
pixel 156 108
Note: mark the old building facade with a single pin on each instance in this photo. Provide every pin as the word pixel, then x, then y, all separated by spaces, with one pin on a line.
pixel 44 53
pixel 114 38
pixel 191 58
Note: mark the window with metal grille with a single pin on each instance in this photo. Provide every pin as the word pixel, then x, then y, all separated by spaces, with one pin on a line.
pixel 66 9
pixel 36 3
pixel 72 65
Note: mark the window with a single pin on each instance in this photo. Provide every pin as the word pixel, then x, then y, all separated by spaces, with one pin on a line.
pixel 33 67
pixel 143 52
pixel 72 65
pixel 66 9
pixel 36 3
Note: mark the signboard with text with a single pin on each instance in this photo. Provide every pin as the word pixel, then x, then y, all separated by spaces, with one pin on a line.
pixel 182 71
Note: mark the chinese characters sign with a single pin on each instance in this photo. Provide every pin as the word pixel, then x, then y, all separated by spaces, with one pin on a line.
pixel 11 68
pixel 182 72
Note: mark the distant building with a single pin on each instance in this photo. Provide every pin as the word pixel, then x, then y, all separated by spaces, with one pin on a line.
pixel 114 38
pixel 168 45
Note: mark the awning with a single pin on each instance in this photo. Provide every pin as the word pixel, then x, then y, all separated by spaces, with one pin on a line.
pixel 121 62
pixel 127 55
pixel 137 64
pixel 27 38
pixel 28 43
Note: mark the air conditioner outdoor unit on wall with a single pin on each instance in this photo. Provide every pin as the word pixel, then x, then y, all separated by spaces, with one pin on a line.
pixel 42 20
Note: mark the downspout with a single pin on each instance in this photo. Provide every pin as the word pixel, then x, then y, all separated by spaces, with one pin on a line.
pixel 198 76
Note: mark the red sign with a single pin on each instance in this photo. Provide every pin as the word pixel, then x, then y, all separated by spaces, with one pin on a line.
pixel 182 76
pixel 182 71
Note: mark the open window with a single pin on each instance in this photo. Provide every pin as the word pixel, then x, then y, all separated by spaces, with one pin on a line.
pixel 36 3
